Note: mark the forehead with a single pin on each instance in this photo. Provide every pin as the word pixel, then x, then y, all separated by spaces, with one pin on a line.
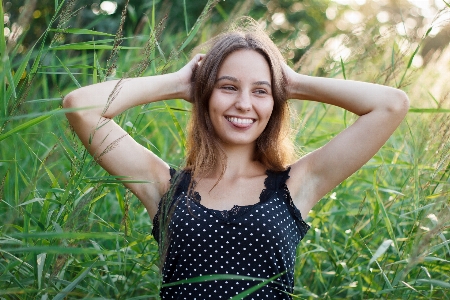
pixel 245 63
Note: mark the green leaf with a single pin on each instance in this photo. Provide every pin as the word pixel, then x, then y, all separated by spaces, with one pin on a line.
pixel 197 24
pixel 95 69
pixel 49 113
pixel 84 46
pixel 2 35
pixel 429 110
pixel 31 201
pixel 24 126
pixel 112 179
pixel 221 12
pixel 255 288
pixel 57 250
pixel 12 84
pixel 412 56
pixel 177 125
pixel 343 69
pixel 380 251
pixel 40 267
pixel 67 235
pixel 387 222
pixel 434 99
pixel 81 31
pixel 63 294
pixel 70 73
pixel 185 16
pixel 20 71
pixel 215 277
pixel 3 58
pixel 434 282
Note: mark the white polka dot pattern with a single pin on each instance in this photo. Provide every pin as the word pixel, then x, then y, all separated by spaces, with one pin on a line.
pixel 258 241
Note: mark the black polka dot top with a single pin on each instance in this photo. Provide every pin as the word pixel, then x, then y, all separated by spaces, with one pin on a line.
pixel 246 251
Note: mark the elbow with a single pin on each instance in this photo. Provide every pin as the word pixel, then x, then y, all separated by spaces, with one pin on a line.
pixel 399 103
pixel 70 100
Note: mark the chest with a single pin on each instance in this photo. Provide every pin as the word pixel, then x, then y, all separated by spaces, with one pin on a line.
pixel 226 194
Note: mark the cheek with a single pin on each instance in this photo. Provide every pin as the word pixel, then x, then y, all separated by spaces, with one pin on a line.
pixel 212 110
pixel 212 113
pixel 217 104
pixel 267 110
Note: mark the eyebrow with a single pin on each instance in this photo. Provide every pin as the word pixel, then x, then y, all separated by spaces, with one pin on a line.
pixel 234 79
pixel 226 77
pixel 262 83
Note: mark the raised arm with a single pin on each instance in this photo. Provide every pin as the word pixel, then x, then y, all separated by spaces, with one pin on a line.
pixel 380 109
pixel 109 144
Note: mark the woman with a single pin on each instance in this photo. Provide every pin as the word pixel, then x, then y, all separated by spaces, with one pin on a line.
pixel 237 206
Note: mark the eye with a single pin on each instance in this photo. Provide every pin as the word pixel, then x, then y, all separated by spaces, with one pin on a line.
pixel 260 91
pixel 228 88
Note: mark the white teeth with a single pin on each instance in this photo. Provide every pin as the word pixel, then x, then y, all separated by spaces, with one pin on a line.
pixel 239 120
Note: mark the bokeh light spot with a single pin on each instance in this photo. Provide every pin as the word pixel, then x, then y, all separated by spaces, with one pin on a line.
pixel 108 7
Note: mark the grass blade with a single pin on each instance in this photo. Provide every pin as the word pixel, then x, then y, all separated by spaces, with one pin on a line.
pixel 24 126
pixel 205 278
pixel 384 213
pixel 429 110
pixel 67 235
pixel 185 16
pixel 256 287
pixel 197 24
pixel 81 31
pixel 177 125
pixel 2 66
pixel 387 221
pixel 64 293
pixel 343 69
pixel 40 267
pixel 9 75
pixel 435 282
pixel 380 251
pixel 57 250
pixel 19 73
pixel 90 46
pixel 69 73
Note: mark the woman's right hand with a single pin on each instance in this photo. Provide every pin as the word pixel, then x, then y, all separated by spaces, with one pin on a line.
pixel 185 76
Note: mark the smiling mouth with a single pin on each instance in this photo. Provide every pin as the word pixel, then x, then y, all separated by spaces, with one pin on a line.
pixel 240 121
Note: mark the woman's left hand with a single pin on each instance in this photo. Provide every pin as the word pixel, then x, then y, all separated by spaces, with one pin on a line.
pixel 290 78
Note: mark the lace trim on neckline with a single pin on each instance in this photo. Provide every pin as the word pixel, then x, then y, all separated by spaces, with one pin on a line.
pixel 233 213
pixel 273 182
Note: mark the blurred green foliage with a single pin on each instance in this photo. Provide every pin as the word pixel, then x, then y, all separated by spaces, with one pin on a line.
pixel 69 230
pixel 307 17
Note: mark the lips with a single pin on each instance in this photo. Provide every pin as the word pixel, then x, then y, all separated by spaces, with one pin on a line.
pixel 240 122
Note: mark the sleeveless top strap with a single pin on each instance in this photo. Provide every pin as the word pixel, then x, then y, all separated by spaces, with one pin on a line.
pixel 178 182
pixel 276 182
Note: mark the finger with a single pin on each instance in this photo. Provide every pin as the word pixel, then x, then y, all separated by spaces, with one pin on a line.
pixel 198 58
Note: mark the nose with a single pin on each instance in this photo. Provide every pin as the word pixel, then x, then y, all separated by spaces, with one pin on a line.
pixel 243 102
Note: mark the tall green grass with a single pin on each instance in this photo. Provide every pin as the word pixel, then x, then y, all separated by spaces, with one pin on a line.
pixel 69 230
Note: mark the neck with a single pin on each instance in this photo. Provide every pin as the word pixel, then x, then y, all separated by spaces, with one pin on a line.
pixel 240 161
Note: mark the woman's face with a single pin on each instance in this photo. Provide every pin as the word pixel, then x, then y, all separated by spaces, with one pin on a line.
pixel 241 102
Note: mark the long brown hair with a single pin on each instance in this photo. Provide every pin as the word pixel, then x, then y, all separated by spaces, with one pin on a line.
pixel 274 147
